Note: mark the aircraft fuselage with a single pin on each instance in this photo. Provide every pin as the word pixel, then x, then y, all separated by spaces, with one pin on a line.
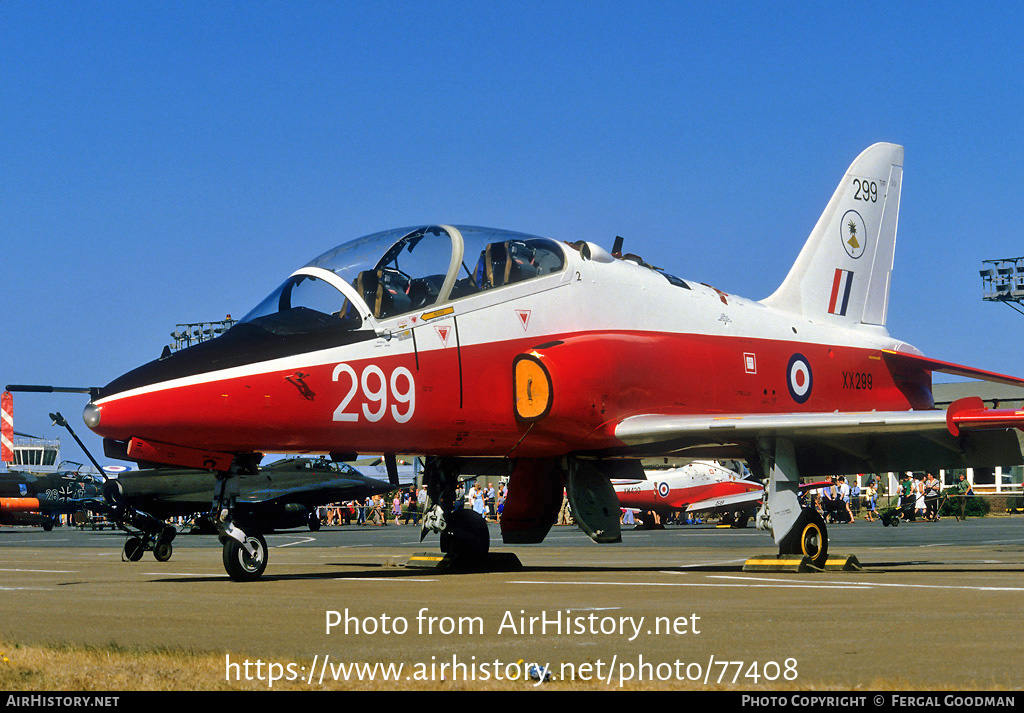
pixel 618 338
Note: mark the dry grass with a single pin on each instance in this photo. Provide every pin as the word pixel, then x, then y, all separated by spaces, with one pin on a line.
pixel 107 668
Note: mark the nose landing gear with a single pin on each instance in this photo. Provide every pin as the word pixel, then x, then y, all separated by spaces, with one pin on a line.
pixel 245 561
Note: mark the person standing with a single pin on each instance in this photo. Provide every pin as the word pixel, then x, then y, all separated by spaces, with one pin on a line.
pixel 828 500
pixel 844 499
pixel 919 506
pixel 477 498
pixel 907 498
pixel 490 503
pixel 421 504
pixel 872 496
pixel 932 488
pixel 961 491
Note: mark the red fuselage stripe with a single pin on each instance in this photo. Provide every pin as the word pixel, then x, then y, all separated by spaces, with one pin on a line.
pixel 414 403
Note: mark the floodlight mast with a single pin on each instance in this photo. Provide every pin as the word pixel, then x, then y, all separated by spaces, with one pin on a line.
pixel 186 334
pixel 1002 280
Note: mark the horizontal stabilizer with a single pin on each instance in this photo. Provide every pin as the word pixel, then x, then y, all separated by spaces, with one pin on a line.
pixel 945 367
pixel 970 414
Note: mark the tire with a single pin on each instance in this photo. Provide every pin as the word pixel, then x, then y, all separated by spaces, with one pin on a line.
pixel 466 535
pixel 163 551
pixel 808 537
pixel 237 562
pixel 133 549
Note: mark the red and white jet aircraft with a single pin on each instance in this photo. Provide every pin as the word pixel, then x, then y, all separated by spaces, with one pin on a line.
pixel 558 363
pixel 698 487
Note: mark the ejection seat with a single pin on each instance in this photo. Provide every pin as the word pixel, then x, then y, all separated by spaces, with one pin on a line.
pixel 490 269
pixel 519 265
pixel 366 284
pixel 384 291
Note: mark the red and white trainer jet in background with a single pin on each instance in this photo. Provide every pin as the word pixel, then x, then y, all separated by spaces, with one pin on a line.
pixel 698 487
pixel 564 364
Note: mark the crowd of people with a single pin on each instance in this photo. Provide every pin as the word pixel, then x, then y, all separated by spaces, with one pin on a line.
pixel 917 496
pixel 406 506
pixel 838 502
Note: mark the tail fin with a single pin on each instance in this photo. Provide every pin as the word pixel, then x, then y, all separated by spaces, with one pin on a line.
pixel 842 274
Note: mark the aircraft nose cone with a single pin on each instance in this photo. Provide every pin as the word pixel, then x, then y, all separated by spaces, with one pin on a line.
pixel 91 415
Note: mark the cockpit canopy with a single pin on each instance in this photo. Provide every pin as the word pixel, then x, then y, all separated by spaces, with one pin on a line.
pixel 395 272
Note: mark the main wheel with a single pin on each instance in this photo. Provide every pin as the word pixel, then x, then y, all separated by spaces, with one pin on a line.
pixel 466 535
pixel 239 564
pixel 808 537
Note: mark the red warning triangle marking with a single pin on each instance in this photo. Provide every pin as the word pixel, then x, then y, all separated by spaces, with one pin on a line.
pixel 524 317
pixel 442 332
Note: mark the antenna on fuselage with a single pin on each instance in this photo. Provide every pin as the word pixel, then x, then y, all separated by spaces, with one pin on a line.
pixel 617 246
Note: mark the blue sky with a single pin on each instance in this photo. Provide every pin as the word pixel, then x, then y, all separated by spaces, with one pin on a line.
pixel 172 162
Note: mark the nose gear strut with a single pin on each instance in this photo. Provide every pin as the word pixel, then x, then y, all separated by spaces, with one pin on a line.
pixel 244 554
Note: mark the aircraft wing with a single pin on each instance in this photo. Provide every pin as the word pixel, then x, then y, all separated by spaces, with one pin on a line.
pixel 842 443
pixel 317 492
pixel 741 501
pixel 728 503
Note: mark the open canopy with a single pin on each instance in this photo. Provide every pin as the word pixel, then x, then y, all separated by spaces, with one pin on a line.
pixel 399 271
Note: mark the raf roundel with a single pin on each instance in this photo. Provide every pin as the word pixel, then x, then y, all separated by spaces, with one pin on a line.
pixel 663 489
pixel 799 378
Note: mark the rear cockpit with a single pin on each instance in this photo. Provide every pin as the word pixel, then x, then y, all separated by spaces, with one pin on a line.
pixel 402 271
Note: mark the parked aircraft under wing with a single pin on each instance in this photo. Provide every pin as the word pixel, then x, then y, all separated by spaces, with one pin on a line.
pixel 699 486
pixel 281 495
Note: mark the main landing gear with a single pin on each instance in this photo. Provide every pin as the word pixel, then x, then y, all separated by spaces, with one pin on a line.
pixel 808 537
pixel 797 530
pixel 463 532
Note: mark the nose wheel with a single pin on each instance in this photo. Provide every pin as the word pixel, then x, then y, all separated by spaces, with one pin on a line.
pixel 241 564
